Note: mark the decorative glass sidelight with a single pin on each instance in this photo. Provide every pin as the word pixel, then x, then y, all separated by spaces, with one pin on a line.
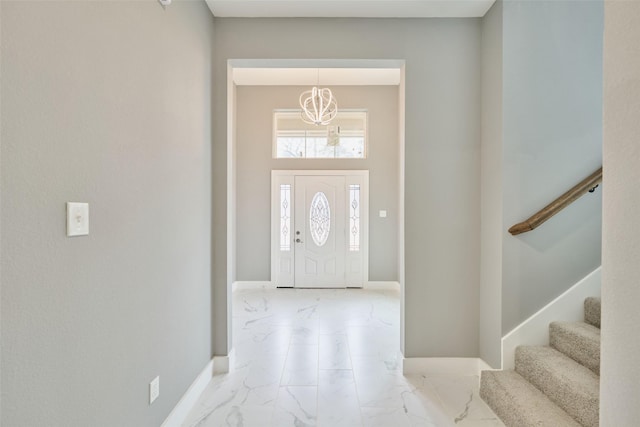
pixel 285 217
pixel 354 217
pixel 320 218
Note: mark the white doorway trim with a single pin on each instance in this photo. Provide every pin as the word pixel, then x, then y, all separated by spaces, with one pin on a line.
pixel 287 177
pixel 222 326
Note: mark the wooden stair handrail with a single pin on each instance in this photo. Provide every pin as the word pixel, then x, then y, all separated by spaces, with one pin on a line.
pixel 587 184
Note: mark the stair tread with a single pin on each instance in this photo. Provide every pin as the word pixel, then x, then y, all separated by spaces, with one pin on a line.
pixel 581 328
pixel 578 340
pixel 592 311
pixel 520 404
pixel 573 387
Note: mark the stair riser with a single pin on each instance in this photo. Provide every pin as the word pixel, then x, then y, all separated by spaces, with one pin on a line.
pixel 552 386
pixel 592 311
pixel 583 349
pixel 494 396
pixel 519 404
pixel 576 401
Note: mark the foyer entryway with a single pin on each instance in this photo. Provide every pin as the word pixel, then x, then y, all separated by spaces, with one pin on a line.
pixel 319 229
pixel 329 358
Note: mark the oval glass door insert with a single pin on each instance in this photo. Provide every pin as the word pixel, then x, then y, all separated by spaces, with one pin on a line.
pixel 320 218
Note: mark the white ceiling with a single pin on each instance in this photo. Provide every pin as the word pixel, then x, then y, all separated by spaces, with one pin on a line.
pixel 295 75
pixel 350 8
pixel 313 76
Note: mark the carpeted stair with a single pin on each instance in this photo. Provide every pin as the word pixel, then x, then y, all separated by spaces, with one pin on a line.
pixel 552 386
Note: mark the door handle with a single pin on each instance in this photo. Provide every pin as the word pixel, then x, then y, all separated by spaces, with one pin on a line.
pixel 299 241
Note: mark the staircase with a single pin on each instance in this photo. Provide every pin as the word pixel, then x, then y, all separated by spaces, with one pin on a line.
pixel 552 386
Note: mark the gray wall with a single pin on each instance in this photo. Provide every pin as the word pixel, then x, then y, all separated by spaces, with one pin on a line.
pixel 552 138
pixel 255 106
pixel 491 189
pixel 442 199
pixel 108 103
pixel 620 372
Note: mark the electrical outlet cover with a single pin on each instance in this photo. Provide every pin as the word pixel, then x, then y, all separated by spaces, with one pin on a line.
pixel 154 389
pixel 77 219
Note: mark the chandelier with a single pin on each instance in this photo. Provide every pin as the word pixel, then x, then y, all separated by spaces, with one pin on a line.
pixel 318 105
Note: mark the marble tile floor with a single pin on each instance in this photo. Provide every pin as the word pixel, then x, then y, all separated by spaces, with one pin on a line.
pixel 329 358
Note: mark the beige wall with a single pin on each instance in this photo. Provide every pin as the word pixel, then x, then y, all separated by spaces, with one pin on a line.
pixel 107 103
pixel 491 189
pixel 620 371
pixel 255 106
pixel 442 167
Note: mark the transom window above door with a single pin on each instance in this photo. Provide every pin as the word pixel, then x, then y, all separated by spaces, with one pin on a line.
pixel 344 138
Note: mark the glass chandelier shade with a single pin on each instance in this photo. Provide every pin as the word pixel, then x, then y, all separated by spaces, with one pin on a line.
pixel 318 105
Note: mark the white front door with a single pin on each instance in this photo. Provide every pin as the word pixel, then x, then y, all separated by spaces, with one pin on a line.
pixel 319 228
pixel 319 231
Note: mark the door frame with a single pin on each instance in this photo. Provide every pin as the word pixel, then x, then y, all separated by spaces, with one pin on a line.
pixel 223 273
pixel 279 177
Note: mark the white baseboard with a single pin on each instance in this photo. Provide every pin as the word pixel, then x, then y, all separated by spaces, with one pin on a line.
pixel 217 365
pixel 256 284
pixel 568 307
pixel 221 364
pixel 393 286
pixel 180 412
pixel 444 365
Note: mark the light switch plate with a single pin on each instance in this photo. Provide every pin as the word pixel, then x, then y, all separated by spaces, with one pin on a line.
pixel 77 219
pixel 383 214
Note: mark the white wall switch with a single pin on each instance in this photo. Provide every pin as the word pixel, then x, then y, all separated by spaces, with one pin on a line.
pixel 154 389
pixel 77 219
pixel 383 214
